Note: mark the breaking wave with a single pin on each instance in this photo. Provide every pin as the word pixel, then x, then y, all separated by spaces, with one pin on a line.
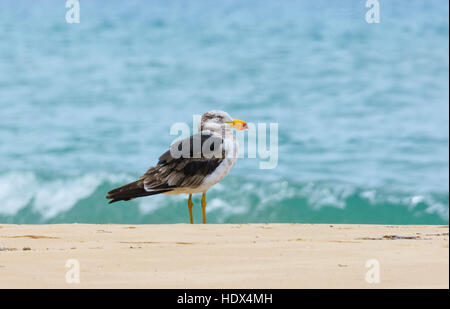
pixel 27 198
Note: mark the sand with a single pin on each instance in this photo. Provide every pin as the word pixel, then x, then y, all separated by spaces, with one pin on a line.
pixel 224 256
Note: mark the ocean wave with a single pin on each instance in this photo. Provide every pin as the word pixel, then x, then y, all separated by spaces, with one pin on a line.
pixel 48 198
pixel 28 198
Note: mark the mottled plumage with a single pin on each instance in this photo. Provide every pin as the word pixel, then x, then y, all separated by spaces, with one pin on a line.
pixel 191 165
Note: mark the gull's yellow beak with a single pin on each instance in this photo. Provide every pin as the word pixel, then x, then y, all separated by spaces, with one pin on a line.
pixel 238 124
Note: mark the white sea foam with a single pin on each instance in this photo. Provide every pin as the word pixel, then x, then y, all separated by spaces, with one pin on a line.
pixel 59 196
pixel 159 201
pixel 48 198
pixel 16 191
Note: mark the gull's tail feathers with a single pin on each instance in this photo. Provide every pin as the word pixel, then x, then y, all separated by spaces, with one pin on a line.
pixel 131 191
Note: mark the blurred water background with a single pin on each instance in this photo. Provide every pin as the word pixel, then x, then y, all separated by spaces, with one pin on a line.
pixel 363 109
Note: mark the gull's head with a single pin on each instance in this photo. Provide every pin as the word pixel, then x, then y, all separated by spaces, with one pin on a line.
pixel 218 120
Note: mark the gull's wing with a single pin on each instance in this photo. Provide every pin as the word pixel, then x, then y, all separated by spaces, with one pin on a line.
pixel 186 164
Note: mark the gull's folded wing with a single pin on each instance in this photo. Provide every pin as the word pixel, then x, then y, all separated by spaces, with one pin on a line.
pixel 186 164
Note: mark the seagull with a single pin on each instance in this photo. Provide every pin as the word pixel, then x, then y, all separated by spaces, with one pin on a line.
pixel 192 165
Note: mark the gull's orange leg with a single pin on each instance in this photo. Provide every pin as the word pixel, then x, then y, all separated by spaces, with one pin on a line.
pixel 204 207
pixel 190 204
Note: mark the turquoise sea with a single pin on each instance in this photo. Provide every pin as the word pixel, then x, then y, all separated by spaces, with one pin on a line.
pixel 362 109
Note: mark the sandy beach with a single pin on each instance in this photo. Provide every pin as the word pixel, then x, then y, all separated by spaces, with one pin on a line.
pixel 224 256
